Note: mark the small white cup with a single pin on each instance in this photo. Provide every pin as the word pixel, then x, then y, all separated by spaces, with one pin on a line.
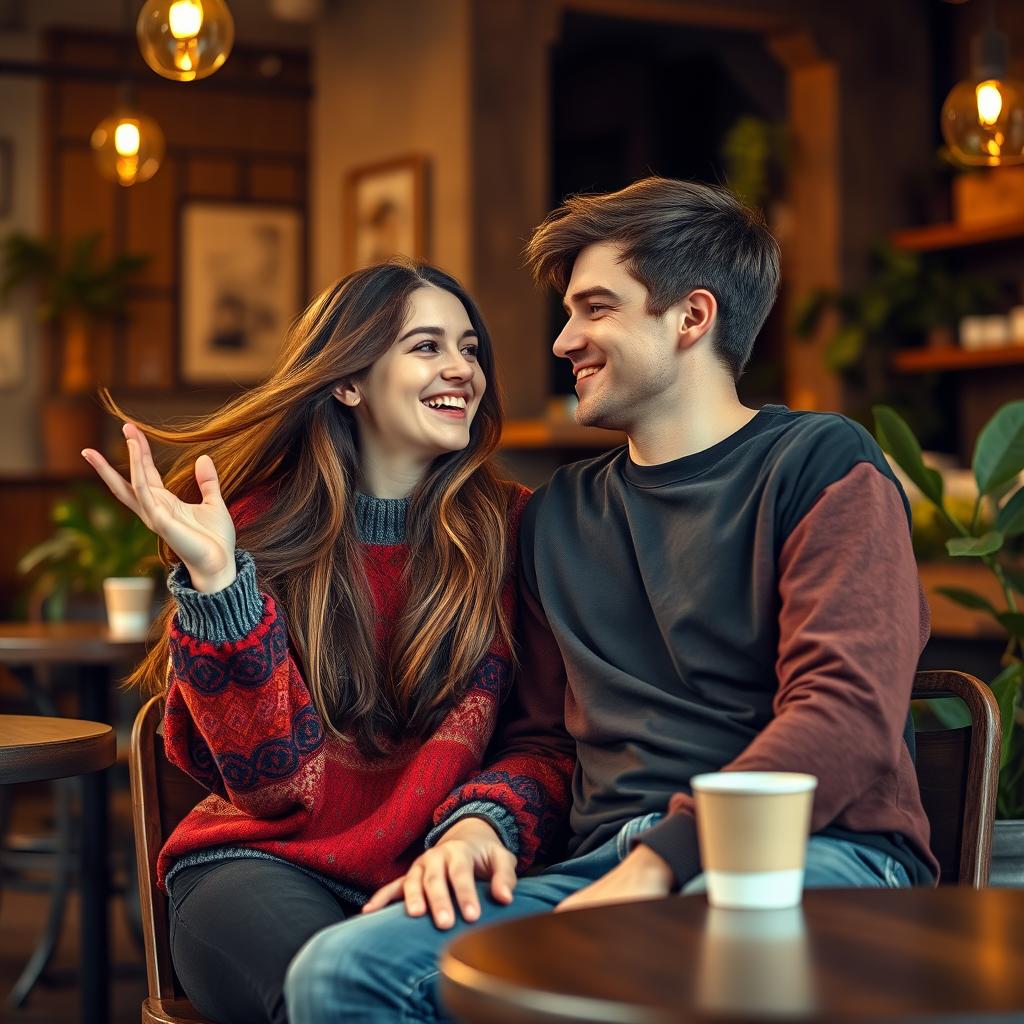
pixel 129 601
pixel 753 829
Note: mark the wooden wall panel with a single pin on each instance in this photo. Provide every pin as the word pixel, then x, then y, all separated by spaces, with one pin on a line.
pixel 151 223
pixel 150 349
pixel 218 177
pixel 234 137
pixel 275 181
pixel 85 201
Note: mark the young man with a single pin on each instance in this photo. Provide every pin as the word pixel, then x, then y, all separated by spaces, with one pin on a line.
pixel 734 589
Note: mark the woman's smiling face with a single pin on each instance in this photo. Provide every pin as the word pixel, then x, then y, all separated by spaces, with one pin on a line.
pixel 419 399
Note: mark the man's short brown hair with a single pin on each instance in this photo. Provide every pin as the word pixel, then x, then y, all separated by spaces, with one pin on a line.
pixel 676 236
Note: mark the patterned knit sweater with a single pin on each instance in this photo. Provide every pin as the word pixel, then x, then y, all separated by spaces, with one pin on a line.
pixel 240 720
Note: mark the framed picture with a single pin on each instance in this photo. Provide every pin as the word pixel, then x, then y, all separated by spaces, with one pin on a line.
pixel 241 287
pixel 6 177
pixel 385 212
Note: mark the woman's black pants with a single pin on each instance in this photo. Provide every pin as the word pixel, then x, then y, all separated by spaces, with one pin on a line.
pixel 235 926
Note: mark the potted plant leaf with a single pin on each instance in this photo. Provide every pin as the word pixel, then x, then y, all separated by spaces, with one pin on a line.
pixel 78 290
pixel 997 463
pixel 99 547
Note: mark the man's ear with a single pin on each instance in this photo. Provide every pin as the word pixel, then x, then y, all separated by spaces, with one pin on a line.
pixel 695 316
pixel 347 392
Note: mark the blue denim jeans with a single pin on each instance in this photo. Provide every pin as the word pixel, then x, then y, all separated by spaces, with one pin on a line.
pixel 383 967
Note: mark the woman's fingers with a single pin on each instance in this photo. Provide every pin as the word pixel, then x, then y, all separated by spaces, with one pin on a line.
pixel 503 881
pixel 153 477
pixel 460 875
pixel 415 905
pixel 116 483
pixel 151 513
pixel 206 478
pixel 384 896
pixel 439 897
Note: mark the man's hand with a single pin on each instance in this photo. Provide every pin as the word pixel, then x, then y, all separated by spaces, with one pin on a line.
pixel 469 850
pixel 643 875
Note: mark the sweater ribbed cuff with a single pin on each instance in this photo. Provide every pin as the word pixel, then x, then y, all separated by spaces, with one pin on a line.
pixel 227 616
pixel 674 839
pixel 502 820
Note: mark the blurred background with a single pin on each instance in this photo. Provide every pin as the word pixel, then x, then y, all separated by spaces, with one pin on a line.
pixel 167 209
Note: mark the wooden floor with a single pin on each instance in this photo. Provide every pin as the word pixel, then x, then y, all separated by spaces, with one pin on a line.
pixel 21 920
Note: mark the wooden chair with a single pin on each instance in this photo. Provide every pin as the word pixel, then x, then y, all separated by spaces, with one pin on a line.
pixel 957 771
pixel 161 796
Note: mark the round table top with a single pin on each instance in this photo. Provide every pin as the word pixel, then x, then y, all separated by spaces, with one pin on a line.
pixel 856 954
pixel 35 747
pixel 66 643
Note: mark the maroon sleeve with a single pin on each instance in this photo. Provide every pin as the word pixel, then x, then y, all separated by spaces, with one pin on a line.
pixel 852 623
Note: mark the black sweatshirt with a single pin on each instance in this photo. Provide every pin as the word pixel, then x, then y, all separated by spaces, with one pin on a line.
pixel 754 606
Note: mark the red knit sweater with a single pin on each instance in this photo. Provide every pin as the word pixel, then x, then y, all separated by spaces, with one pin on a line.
pixel 239 719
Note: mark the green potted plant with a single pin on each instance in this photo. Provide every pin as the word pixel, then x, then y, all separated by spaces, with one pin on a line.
pixel 997 464
pixel 99 547
pixel 78 290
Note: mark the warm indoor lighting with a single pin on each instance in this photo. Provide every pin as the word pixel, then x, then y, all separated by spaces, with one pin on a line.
pixel 185 39
pixel 983 117
pixel 128 147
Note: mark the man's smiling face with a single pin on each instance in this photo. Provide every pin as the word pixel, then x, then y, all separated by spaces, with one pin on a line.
pixel 622 356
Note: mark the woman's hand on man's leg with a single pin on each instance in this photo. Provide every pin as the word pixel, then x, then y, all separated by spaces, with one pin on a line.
pixel 470 850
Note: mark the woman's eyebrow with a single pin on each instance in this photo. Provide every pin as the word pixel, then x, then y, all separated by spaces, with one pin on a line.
pixel 437 332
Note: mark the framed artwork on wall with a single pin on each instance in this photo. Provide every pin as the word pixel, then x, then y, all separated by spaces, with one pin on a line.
pixel 385 212
pixel 242 272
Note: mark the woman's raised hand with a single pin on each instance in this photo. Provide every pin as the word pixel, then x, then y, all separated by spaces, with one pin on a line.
pixel 202 536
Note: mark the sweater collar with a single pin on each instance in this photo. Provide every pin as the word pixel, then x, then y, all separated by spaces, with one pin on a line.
pixel 690 466
pixel 381 520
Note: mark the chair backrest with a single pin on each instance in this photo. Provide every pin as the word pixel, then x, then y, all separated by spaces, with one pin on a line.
pixel 161 796
pixel 957 771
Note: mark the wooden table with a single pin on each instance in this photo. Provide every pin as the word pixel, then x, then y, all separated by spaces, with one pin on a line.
pixel 92 653
pixel 951 954
pixel 35 747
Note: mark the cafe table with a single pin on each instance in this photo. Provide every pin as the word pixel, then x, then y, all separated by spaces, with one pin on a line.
pixel 947 954
pixel 88 649
pixel 35 748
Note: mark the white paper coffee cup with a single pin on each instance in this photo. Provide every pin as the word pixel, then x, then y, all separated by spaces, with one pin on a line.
pixel 753 829
pixel 129 601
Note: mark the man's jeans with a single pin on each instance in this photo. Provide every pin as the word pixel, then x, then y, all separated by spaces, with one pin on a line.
pixel 383 966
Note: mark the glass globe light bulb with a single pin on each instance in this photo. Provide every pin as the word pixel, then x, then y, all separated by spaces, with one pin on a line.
pixel 127 147
pixel 185 40
pixel 983 117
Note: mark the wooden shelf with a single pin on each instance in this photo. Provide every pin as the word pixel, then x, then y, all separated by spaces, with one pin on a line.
pixel 545 435
pixel 926 360
pixel 935 237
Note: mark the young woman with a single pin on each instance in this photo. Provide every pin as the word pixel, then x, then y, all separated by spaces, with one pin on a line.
pixel 338 638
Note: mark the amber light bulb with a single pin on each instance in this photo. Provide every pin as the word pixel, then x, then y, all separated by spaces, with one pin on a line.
pixel 127 147
pixel 983 116
pixel 185 40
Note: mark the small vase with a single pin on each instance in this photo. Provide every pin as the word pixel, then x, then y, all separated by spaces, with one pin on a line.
pixel 129 601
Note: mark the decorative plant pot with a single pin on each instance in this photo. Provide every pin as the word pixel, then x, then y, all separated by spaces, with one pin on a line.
pixel 129 601
pixel 1007 870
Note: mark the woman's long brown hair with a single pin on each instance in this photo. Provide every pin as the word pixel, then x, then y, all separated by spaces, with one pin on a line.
pixel 293 436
